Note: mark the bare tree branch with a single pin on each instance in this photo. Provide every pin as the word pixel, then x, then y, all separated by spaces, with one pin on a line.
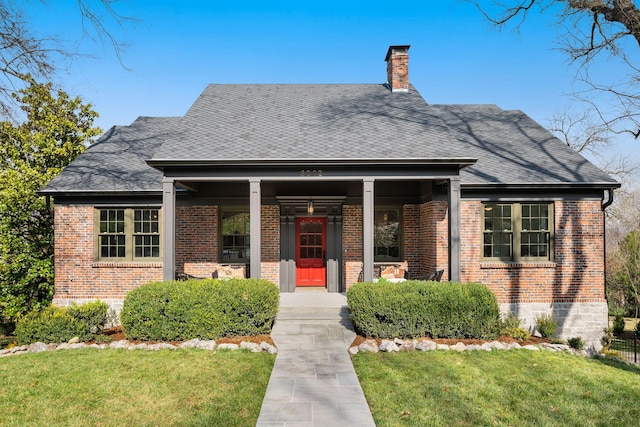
pixel 585 133
pixel 590 30
pixel 24 53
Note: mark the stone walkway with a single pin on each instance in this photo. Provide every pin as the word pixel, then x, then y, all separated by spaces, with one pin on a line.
pixel 313 382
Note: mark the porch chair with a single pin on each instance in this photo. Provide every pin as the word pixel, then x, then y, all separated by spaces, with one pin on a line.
pixel 181 276
pixel 436 276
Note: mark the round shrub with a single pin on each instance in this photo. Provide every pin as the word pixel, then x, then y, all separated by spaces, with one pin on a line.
pixel 93 315
pixel 51 325
pixel 417 308
pixel 205 309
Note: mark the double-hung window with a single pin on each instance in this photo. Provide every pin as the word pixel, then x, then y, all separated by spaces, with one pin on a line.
pixel 127 234
pixel 517 231
pixel 386 234
pixel 234 230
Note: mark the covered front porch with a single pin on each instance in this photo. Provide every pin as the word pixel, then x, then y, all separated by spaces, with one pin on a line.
pixel 314 225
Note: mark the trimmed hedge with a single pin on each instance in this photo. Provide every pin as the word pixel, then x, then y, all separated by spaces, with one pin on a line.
pixel 205 309
pixel 59 324
pixel 415 309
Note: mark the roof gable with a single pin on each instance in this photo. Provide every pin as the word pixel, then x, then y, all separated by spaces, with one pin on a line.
pixel 117 161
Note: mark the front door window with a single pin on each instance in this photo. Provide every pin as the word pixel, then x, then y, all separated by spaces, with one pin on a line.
pixel 311 251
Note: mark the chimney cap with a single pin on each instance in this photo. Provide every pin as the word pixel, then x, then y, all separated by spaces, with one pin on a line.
pixel 402 48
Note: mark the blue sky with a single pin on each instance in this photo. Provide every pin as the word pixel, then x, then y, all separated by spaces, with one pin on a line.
pixel 176 48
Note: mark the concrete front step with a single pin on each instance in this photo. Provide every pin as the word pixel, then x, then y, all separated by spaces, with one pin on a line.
pixel 313 313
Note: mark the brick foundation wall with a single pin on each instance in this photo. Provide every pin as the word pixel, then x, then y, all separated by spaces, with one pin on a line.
pixel 77 276
pixel 575 319
pixel 576 274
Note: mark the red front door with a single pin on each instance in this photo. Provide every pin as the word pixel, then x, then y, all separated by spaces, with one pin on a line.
pixel 311 239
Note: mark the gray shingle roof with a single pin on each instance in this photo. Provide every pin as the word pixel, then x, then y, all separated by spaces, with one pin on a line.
pixel 269 122
pixel 512 148
pixel 314 122
pixel 117 161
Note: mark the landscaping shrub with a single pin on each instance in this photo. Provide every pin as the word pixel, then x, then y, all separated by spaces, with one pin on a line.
pixel 206 309
pixel 60 324
pixel 6 327
pixel 546 324
pixel 607 338
pixel 93 315
pixel 510 321
pixel 51 325
pixel 417 308
pixel 618 324
pixel 576 343
pixel 520 334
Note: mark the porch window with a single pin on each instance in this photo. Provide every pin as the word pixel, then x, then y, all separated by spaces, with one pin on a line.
pixel 235 235
pixel 386 234
pixel 127 234
pixel 517 231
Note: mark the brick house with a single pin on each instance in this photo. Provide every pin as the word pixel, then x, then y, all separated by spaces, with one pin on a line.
pixel 315 185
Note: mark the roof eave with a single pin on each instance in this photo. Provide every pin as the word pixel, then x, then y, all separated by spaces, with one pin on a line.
pixel 541 185
pixel 97 193
pixel 163 163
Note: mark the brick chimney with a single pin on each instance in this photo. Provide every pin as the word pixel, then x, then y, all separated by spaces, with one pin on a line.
pixel 398 68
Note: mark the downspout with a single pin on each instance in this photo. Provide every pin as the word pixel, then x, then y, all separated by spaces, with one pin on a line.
pixel 605 205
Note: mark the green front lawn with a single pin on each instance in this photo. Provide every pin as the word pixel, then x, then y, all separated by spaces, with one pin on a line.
pixel 133 388
pixel 511 388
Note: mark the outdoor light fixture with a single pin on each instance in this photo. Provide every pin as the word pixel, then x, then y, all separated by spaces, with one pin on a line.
pixel 310 207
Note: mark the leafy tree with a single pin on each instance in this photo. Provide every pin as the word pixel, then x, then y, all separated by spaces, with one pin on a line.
pixel 56 129
pixel 590 30
pixel 624 285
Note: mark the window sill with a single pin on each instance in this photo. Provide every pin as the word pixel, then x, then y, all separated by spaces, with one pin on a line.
pixel 126 264
pixel 513 265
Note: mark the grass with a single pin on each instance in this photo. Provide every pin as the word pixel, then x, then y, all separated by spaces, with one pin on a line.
pixel 518 387
pixel 133 388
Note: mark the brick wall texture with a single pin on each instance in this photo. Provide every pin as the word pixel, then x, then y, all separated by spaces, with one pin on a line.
pixel 575 275
pixel 270 243
pixel 197 239
pixel 77 275
pixel 352 243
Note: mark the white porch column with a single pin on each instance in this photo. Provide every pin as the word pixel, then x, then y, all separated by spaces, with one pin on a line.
pixel 254 214
pixel 367 229
pixel 454 229
pixel 168 229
